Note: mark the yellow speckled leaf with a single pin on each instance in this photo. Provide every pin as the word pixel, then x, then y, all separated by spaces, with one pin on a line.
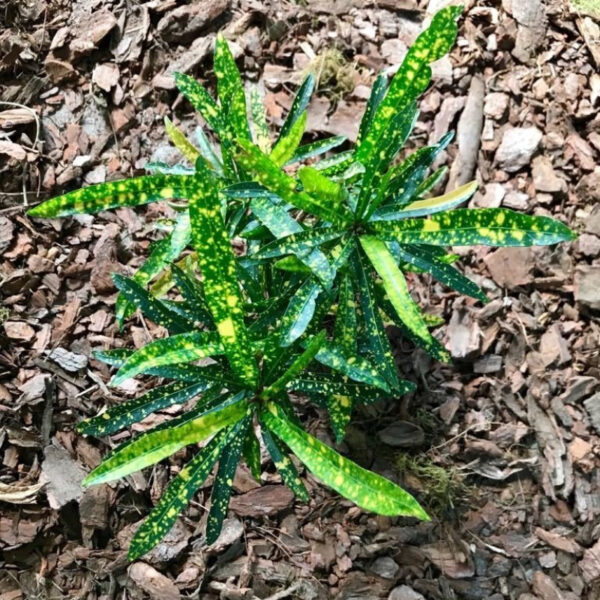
pixel 472 226
pixel 113 194
pixel 178 494
pixel 368 490
pixel 150 448
pixel 181 142
pixel 217 264
pixel 397 289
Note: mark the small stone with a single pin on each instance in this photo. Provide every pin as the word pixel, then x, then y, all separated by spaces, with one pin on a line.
pixel 545 178
pixel 404 592
pixel 492 363
pixel 517 147
pixel 588 188
pixel 69 361
pixel 545 588
pixel 58 70
pixel 154 583
pixel 106 76
pixel 587 285
pixel 496 104
pixel 493 196
pixel 592 406
pixel 590 564
pixel 589 244
pixel 385 567
pixel 63 476
pixel 516 201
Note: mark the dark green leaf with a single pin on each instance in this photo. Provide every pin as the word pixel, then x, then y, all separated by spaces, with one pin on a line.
pixel 299 105
pixel 284 465
pixel 178 494
pixel 149 448
pixel 185 347
pixel 133 411
pixel 221 492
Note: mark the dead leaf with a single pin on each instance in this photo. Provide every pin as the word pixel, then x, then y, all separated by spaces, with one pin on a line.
pixel 16 493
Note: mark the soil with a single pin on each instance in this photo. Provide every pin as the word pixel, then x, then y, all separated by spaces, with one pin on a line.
pixel 502 445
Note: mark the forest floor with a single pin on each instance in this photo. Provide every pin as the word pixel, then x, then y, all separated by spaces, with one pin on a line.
pixel 502 446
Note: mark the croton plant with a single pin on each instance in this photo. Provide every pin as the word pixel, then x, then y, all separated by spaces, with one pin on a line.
pixel 303 308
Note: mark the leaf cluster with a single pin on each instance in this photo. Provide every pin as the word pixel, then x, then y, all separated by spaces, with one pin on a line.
pixel 304 308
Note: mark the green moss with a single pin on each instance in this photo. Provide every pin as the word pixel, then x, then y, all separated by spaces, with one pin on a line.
pixel 333 72
pixel 4 313
pixel 442 489
pixel 588 7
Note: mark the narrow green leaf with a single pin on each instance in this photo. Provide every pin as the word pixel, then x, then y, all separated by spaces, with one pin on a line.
pixel 376 338
pixel 359 392
pixel 281 224
pixel 191 290
pixel 472 226
pixel 133 411
pixel 316 148
pixel 317 184
pixel 375 98
pixel 298 243
pixel 333 165
pixel 163 253
pixel 207 151
pixel 355 367
pixel 221 492
pixel 405 179
pixel 371 192
pixel 298 365
pixel 177 495
pixel 344 333
pixel 251 452
pixel 397 290
pixel 260 128
pixel 413 76
pixel 429 206
pixel 267 173
pixel 149 448
pixel 184 347
pixel 367 489
pixel 431 181
pixel 287 145
pixel 114 194
pixel 230 89
pixel 299 105
pixel 179 140
pixel 153 308
pixel 217 264
pixel 299 312
pixel 415 255
pixel 340 407
pixel 284 465
pixel 201 100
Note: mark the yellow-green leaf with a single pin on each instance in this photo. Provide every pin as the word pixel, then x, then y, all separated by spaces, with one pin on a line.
pixel 397 290
pixel 114 194
pixel 473 226
pixel 365 488
pixel 150 448
pixel 217 264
